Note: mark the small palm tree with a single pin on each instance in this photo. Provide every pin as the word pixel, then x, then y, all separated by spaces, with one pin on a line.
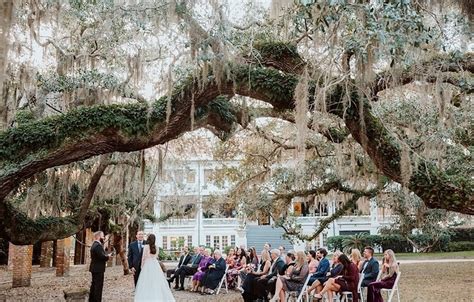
pixel 357 241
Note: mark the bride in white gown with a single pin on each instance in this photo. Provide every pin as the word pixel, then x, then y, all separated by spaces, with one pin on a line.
pixel 152 285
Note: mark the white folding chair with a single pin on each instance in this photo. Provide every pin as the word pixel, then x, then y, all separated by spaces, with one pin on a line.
pixel 223 280
pixel 360 290
pixel 391 291
pixel 296 294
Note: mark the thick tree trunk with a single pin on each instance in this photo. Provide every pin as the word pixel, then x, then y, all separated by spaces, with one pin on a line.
pixel 118 246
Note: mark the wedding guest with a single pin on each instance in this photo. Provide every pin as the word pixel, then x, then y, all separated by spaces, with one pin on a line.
pixel 313 262
pixel 261 285
pixel 183 260
pixel 251 267
pixel 206 260
pixel 390 270
pixel 294 281
pixel 239 263
pixel 356 258
pixel 323 267
pixel 230 259
pixel 214 273
pixel 346 281
pixel 335 270
pixel 251 275
pixel 370 267
pixel 187 270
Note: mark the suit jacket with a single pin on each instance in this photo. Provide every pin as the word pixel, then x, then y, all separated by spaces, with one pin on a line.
pixel 135 255
pixel 370 271
pixel 322 269
pixel 184 260
pixel 194 261
pixel 277 269
pixel 98 258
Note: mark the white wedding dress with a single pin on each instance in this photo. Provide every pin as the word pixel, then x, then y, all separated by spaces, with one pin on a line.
pixel 152 285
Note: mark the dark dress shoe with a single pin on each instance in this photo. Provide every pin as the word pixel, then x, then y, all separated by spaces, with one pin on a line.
pixel 180 288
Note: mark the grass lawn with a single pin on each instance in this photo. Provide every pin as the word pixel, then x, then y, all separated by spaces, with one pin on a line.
pixel 432 256
pixel 437 281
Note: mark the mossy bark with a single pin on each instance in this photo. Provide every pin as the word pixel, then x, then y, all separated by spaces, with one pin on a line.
pixel 87 132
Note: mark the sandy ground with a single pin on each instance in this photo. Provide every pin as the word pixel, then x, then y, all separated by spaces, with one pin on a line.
pixel 433 281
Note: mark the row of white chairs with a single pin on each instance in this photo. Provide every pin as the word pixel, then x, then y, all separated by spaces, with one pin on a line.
pixel 346 295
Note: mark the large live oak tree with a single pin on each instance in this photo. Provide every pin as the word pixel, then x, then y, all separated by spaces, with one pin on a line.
pixel 91 131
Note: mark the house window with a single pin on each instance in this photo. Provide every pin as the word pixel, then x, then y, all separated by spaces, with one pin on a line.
pixel 191 176
pixel 325 239
pixel 232 240
pixel 225 241
pixel 165 242
pixel 173 243
pixel 207 176
pixel 217 242
pixel 190 240
pixel 208 240
pixel 181 241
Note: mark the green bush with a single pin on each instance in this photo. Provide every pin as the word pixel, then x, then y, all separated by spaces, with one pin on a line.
pixel 396 242
pixel 425 240
pixel 336 242
pixel 462 234
pixel 459 246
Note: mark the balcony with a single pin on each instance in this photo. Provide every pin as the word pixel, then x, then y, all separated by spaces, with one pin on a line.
pixel 220 222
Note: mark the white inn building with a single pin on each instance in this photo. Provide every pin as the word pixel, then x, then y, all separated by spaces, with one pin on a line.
pixel 186 187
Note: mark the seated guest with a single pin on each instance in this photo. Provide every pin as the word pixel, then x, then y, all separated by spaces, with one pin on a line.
pixel 240 261
pixel 206 260
pixel 253 258
pixel 313 262
pixel 323 267
pixel 370 267
pixel 282 252
pixel 267 246
pixel 230 259
pixel 356 258
pixel 293 281
pixel 335 270
pixel 214 273
pixel 290 258
pixel 346 281
pixel 387 279
pixel 250 274
pixel 183 260
pixel 260 284
pixel 186 270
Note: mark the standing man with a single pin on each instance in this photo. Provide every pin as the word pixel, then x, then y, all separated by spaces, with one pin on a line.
pixel 370 268
pixel 97 268
pixel 135 251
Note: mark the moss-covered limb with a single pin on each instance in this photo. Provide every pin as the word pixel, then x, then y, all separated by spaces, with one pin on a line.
pixel 283 56
pixel 435 187
pixel 18 228
pixel 448 68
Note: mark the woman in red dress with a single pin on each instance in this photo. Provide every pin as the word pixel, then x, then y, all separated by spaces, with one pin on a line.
pixel 347 281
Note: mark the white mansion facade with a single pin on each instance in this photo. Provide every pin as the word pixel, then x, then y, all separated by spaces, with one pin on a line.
pixel 186 187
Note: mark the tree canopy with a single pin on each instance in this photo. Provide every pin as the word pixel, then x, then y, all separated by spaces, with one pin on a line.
pixel 391 79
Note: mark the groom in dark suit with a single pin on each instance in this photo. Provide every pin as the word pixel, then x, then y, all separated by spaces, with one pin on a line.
pixel 97 267
pixel 135 252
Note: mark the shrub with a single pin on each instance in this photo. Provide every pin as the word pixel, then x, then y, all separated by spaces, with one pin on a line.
pixel 336 242
pixel 462 234
pixel 459 246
